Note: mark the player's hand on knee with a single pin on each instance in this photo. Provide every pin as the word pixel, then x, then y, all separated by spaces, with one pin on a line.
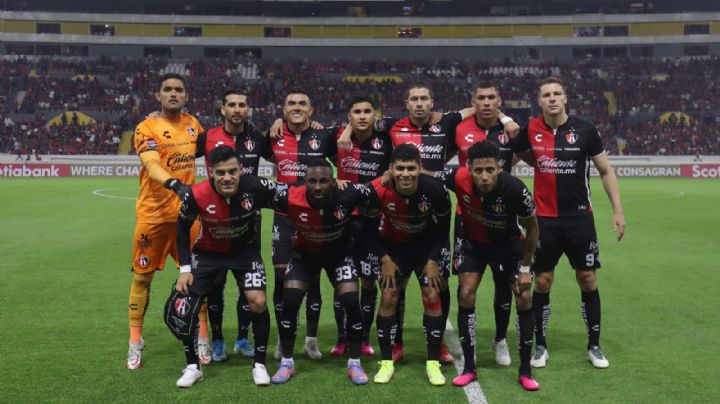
pixel 185 280
pixel 524 281
pixel 432 273
pixel 388 271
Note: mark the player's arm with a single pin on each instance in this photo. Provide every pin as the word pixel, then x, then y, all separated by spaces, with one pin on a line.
pixel 447 177
pixel 152 163
pixel 441 232
pixel 609 180
pixel 186 217
pixel 200 146
pixel 279 202
pixel 528 249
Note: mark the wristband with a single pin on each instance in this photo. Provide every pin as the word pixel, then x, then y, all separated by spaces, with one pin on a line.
pixel 184 269
pixel 524 269
pixel 504 120
pixel 172 184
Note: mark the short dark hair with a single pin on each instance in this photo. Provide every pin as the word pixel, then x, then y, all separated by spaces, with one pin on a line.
pixel 361 98
pixel 487 84
pixel 551 80
pixel 168 76
pixel 405 152
pixel 319 162
pixel 231 91
pixel 222 153
pixel 483 150
pixel 297 90
pixel 420 84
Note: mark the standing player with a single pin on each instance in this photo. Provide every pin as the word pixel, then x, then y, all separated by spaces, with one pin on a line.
pixel 320 213
pixel 227 205
pixel 238 133
pixel 166 148
pixel 413 232
pixel 494 205
pixel 368 159
pixel 298 145
pixel 486 124
pixel 561 148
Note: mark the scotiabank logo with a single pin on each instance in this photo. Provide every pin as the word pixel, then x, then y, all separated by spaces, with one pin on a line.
pixel 700 170
pixel 34 170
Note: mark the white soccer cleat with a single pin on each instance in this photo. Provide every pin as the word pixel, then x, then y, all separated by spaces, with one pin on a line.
pixel 260 375
pixel 596 357
pixel 502 353
pixel 191 374
pixel 278 351
pixel 134 356
pixel 311 348
pixel 539 360
pixel 204 352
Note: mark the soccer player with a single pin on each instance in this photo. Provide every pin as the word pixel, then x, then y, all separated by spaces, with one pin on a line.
pixel 368 159
pixel 486 124
pixel 321 214
pixel 227 204
pixel 413 232
pixel 561 148
pixel 238 133
pixel 299 144
pixel 166 147
pixel 494 206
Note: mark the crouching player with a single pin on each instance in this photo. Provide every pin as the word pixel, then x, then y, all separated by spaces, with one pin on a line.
pixel 227 205
pixel 494 205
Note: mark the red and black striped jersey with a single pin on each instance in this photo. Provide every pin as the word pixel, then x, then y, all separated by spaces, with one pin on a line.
pixel 562 164
pixel 468 132
pixel 490 218
pixel 294 152
pixel 249 144
pixel 367 160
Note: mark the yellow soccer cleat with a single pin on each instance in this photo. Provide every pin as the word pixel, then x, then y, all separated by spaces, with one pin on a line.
pixel 434 374
pixel 385 373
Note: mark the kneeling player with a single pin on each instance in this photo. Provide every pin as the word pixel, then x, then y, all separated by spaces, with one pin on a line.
pixel 321 214
pixel 227 205
pixel 493 204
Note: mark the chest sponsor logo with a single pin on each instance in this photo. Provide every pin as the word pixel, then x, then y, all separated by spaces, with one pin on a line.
pixel 289 167
pixel 314 144
pixel 249 145
pixel 191 131
pixel 571 137
pixel 376 143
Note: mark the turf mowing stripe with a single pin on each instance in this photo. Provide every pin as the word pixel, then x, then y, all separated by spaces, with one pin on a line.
pixel 473 391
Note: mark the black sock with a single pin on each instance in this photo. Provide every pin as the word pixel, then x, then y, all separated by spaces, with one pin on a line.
pixel 400 317
pixel 216 306
pixel 312 309
pixel 368 300
pixel 278 295
pixel 350 303
pixel 386 332
pixel 434 328
pixel 261 332
pixel 541 308
pixel 189 343
pixel 244 316
pixel 339 318
pixel 445 304
pixel 466 329
pixel 525 339
pixel 501 305
pixel 591 314
pixel 292 298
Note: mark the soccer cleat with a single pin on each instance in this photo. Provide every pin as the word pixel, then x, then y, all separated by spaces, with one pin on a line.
pixel 339 348
pixel 445 356
pixel 311 348
pixel 134 356
pixel 398 351
pixel 260 375
pixel 357 374
pixel 219 354
pixel 203 351
pixel 528 383
pixel 465 379
pixel 502 353
pixel 366 349
pixel 596 357
pixel 191 374
pixel 242 347
pixel 385 372
pixel 285 372
pixel 539 360
pixel 435 376
pixel 278 351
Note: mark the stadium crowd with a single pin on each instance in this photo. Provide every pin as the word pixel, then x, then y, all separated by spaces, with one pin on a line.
pixel 624 98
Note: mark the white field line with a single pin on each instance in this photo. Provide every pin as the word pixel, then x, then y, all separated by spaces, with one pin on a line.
pixel 100 192
pixel 473 390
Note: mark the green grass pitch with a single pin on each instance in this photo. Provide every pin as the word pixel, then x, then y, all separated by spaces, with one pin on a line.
pixel 65 280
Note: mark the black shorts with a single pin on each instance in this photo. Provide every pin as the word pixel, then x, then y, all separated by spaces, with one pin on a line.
pixel 282 234
pixel 573 236
pixel 473 257
pixel 413 260
pixel 306 267
pixel 366 260
pixel 460 233
pixel 210 271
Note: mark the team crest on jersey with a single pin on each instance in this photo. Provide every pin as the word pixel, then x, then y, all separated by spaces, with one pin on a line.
pixel 376 143
pixel 249 145
pixel 503 139
pixel 191 131
pixel 247 203
pixel 143 261
pixel 435 129
pixel 340 213
pixel 424 206
pixel 314 144
pixel 571 137
pixel 498 207
pixel 182 306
